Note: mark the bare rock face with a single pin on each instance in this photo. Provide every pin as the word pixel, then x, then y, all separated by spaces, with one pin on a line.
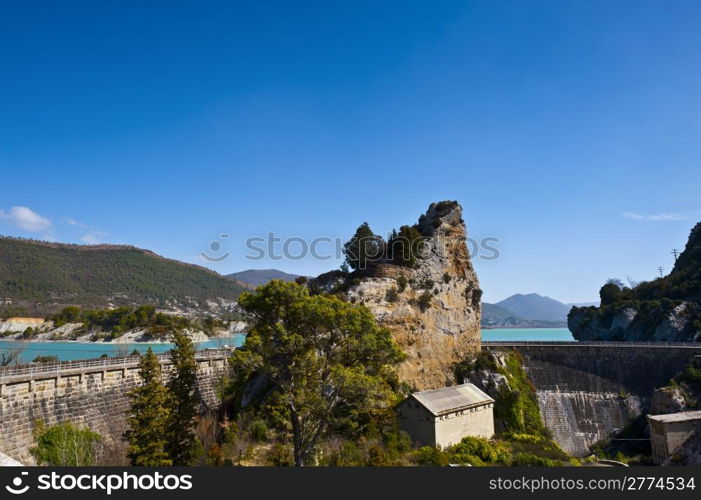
pixel 435 317
pixel 667 400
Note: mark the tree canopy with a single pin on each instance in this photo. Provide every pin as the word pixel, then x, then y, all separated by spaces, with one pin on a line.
pixel 327 358
pixel 148 420
pixel 364 246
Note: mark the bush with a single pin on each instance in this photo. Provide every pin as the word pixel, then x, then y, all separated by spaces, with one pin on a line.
pixel 473 447
pixel 392 295
pixel 401 283
pixel 428 455
pixel 279 455
pixel 446 278
pixel 427 284
pixel 424 301
pixel 45 359
pixel 531 460
pixel 258 430
pixel 65 445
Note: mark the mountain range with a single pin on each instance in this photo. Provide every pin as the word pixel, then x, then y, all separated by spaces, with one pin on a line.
pixel 526 311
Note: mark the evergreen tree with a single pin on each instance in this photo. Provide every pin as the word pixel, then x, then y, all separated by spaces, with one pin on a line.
pixel 404 247
pixel 363 246
pixel 184 403
pixel 148 418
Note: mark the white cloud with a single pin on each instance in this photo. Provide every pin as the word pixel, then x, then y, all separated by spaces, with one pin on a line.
pixel 72 222
pixel 27 219
pixel 93 237
pixel 666 217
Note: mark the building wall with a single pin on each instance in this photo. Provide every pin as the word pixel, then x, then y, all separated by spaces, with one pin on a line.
pixel 668 436
pixel 85 393
pixel 477 422
pixel 446 430
pixel 417 421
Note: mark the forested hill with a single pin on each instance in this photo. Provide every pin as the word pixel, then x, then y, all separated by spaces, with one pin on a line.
pixel 43 275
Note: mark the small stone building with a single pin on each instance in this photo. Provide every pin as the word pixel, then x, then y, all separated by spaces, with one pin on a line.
pixel 669 431
pixel 442 417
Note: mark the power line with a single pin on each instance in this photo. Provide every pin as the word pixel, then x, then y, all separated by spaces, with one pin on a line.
pixel 675 252
pixel 661 270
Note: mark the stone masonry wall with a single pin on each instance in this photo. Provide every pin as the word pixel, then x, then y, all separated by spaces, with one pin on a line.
pixel 90 393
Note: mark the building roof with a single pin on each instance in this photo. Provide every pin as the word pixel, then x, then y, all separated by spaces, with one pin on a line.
pixel 683 416
pixel 450 399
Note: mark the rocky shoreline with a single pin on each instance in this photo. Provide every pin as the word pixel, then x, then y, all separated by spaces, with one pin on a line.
pixel 15 330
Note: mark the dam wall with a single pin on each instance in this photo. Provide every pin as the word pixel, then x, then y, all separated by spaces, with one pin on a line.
pixel 588 391
pixel 91 393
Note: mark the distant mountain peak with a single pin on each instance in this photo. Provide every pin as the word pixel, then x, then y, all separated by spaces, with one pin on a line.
pixel 257 277
pixel 535 307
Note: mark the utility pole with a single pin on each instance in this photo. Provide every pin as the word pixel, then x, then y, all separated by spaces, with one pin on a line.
pixel 660 270
pixel 675 252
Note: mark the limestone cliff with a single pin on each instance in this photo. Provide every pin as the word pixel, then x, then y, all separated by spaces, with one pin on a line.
pixel 667 309
pixel 433 308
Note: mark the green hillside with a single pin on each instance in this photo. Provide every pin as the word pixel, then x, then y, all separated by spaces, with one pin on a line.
pixel 57 274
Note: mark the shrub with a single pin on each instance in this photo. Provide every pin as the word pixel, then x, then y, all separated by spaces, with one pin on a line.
pixel 531 460
pixel 65 445
pixel 473 447
pixel 424 301
pixel 446 278
pixel 427 284
pixel 258 430
pixel 428 455
pixel 279 455
pixel 45 359
pixel 401 283
pixel 392 295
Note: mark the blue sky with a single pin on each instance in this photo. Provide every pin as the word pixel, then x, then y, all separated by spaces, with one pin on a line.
pixel 568 130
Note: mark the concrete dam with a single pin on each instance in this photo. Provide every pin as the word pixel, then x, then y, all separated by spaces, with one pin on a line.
pixel 588 391
pixel 91 392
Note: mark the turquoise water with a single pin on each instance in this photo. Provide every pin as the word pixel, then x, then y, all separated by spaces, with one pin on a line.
pixel 67 351
pixel 540 334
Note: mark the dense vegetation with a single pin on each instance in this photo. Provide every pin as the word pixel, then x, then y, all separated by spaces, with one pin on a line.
pixel 64 445
pixel 109 324
pixel 161 420
pixel 402 248
pixel 117 321
pixel 52 273
pixel 329 364
pixel 516 408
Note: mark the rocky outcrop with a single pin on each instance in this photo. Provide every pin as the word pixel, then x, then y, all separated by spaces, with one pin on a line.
pixel 432 309
pixel 667 309
pixel 650 322
pixel 688 454
pixel 668 400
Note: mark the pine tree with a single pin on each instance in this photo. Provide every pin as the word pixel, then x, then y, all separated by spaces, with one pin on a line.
pixel 364 246
pixel 184 403
pixel 148 419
